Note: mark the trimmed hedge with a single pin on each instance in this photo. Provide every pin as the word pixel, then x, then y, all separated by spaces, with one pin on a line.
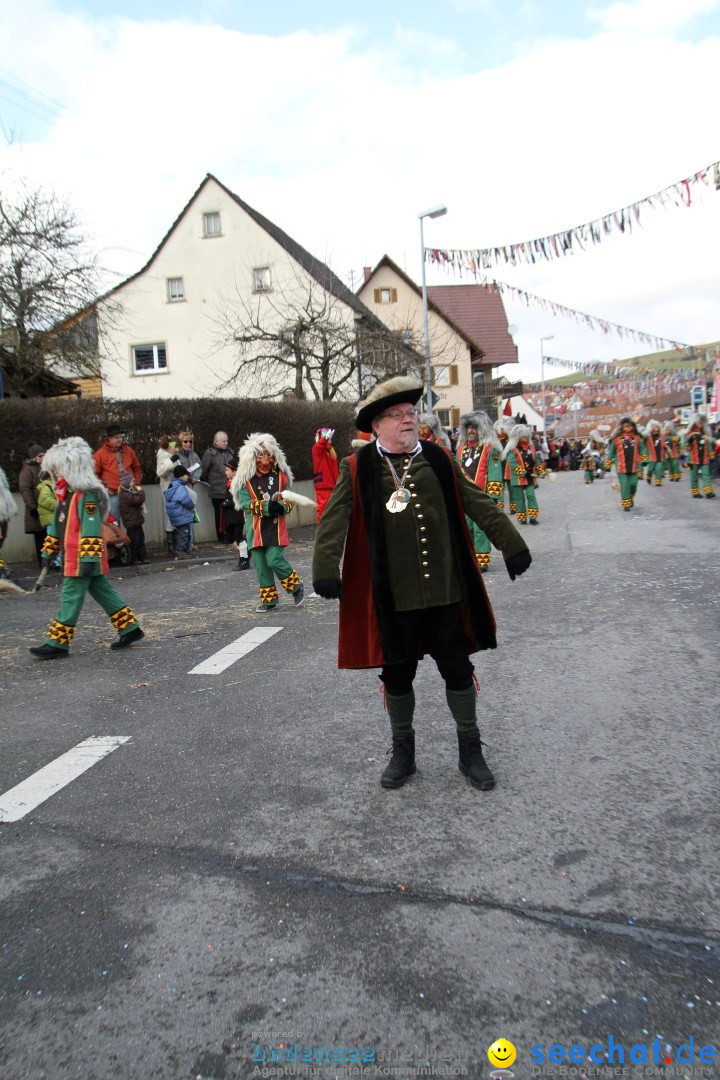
pixel 292 422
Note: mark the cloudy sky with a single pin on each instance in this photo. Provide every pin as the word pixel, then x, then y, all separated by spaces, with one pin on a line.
pixel 341 122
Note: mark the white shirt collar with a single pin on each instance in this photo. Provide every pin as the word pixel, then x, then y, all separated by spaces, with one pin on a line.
pixel 384 450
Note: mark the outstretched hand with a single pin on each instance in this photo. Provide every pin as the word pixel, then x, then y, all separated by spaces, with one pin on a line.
pixel 329 589
pixel 518 564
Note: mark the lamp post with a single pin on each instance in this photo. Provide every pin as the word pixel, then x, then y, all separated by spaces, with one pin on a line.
pixel 433 212
pixel 548 337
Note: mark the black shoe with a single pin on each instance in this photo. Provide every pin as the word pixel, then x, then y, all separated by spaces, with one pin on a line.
pixel 242 564
pixel 127 639
pixel 299 595
pixel 710 495
pixel 649 479
pixel 402 762
pixel 266 607
pixel 49 652
pixel 533 521
pixel 698 496
pixel 471 762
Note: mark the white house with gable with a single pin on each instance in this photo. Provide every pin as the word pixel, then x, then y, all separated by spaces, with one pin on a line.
pixel 163 331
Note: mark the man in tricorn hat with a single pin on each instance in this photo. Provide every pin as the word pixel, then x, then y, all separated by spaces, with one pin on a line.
pixel 410 583
pixel 116 462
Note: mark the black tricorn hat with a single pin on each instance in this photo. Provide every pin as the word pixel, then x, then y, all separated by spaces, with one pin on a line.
pixel 114 429
pixel 398 391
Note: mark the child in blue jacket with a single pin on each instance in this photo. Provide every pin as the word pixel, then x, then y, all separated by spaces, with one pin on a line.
pixel 180 501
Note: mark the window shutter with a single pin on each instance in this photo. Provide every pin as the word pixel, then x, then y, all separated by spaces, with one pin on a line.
pixel 377 296
pixel 455 417
pixel 393 296
pixel 453 375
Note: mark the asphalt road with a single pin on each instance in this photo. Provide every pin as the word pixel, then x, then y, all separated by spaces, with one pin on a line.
pixel 233 877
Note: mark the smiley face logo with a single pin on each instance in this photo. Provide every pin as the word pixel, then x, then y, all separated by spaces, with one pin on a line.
pixel 501 1054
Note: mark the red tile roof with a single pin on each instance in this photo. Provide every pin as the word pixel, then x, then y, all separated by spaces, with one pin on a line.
pixel 481 315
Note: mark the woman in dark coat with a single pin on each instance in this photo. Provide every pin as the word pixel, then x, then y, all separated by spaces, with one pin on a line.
pixel 27 486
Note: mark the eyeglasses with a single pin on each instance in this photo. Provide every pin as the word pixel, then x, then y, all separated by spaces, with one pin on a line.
pixel 186 441
pixel 396 415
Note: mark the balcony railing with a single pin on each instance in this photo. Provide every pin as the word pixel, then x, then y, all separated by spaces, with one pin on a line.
pixel 485 394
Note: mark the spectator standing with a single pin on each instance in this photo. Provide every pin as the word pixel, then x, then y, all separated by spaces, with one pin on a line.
pixel 114 461
pixel 27 486
pixel 188 456
pixel 213 465
pixel 180 500
pixel 8 509
pixel 132 502
pixel 47 501
pixel 167 458
pixel 234 520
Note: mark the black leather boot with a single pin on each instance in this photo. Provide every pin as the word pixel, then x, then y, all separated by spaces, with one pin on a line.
pixel 402 762
pixel 471 762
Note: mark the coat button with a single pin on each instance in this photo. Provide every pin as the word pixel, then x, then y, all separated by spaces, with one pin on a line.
pixel 420 516
pixel 426 575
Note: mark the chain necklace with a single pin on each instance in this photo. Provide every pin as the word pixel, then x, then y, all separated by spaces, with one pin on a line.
pixel 401 496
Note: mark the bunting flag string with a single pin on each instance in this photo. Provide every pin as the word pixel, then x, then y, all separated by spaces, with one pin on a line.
pixel 591 321
pixel 579 237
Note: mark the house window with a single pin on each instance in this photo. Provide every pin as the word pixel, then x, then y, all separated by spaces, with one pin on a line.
pixel 386 296
pixel 445 375
pixel 211 224
pixel 175 289
pixel 261 279
pixel 443 416
pixel 148 359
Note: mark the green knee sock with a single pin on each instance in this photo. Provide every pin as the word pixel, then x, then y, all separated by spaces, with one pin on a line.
pixel 400 710
pixel 462 706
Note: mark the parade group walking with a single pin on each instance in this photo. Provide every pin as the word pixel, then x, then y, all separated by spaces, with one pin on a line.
pixel 405 533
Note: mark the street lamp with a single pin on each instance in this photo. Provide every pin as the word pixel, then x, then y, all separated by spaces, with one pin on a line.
pixel 433 212
pixel 548 337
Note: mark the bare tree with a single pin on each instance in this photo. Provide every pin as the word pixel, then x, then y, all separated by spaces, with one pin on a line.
pixel 301 339
pixel 48 285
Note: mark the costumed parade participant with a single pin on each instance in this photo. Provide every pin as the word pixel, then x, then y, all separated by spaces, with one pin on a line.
pixel 410 584
pixel 655 452
pixel 479 455
pixel 8 510
pixel 672 451
pixel 520 474
pixel 76 531
pixel 700 445
pixel 592 456
pixel 262 476
pixel 503 426
pixel 430 430
pixel 625 450
pixel 325 467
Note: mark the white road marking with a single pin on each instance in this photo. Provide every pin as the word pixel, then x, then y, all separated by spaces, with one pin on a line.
pixel 24 797
pixel 232 652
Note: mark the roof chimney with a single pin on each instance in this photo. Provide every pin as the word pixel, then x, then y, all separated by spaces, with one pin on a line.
pixel 367 273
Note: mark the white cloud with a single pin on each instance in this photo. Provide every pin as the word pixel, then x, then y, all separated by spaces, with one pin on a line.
pixel 650 15
pixel 342 146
